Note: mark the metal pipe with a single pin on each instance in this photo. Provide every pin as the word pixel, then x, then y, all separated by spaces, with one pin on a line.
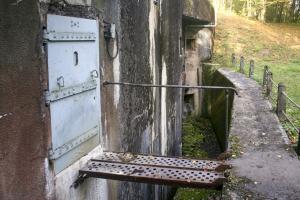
pixel 194 87
pixel 212 64
pixel 170 86
pixel 226 118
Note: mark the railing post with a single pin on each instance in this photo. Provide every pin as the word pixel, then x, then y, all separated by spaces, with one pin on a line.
pixel 269 84
pixel 281 101
pixel 266 69
pixel 242 65
pixel 226 118
pixel 251 69
pixel 233 59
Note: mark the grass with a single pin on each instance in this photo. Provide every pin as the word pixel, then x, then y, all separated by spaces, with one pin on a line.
pixel 192 137
pixel 275 45
pixel 194 134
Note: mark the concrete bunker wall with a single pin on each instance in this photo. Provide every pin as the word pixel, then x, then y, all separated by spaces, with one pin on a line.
pixel 133 119
pixel 192 8
pixel 198 49
pixel 198 45
pixel 143 120
pixel 23 135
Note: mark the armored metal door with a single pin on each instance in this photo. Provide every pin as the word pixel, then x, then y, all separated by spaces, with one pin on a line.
pixel 74 94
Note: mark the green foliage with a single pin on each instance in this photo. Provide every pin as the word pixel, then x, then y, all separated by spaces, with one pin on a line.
pixel 194 129
pixel 268 10
pixel 192 137
pixel 278 11
pixel 238 6
pixel 196 194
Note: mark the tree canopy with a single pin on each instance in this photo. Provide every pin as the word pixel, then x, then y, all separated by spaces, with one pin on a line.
pixel 266 10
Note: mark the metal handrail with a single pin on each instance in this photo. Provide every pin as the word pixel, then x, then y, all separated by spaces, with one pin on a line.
pixel 171 86
pixel 192 87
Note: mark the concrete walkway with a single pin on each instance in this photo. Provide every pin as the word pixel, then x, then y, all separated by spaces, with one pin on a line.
pixel 267 167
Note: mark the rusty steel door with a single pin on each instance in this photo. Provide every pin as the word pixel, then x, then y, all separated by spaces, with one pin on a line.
pixel 74 94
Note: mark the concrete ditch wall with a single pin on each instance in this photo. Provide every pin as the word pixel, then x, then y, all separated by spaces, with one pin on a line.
pixel 218 105
pixel 214 103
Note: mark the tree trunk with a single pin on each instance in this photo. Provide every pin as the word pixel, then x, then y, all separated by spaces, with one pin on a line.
pixel 263 11
pixel 231 4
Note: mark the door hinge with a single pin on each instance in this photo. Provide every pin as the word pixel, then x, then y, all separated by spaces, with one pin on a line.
pixel 51 96
pixel 53 36
pixel 60 151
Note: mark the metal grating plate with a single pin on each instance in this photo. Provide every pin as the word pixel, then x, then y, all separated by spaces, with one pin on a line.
pixel 163 161
pixel 156 170
pixel 156 175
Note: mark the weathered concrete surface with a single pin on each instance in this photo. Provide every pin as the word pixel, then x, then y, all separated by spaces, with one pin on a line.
pixel 267 165
pixel 198 9
pixel 22 132
pixel 201 51
pixel 198 48
pixel 139 119
pixel 94 189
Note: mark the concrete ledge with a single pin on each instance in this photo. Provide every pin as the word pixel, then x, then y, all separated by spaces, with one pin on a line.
pixel 265 167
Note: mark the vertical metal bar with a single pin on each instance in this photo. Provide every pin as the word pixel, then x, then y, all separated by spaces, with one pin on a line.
pixel 226 118
pixel 281 101
pixel 233 59
pixel 199 92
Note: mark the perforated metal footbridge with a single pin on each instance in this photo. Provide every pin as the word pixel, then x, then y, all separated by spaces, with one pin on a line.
pixel 156 170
